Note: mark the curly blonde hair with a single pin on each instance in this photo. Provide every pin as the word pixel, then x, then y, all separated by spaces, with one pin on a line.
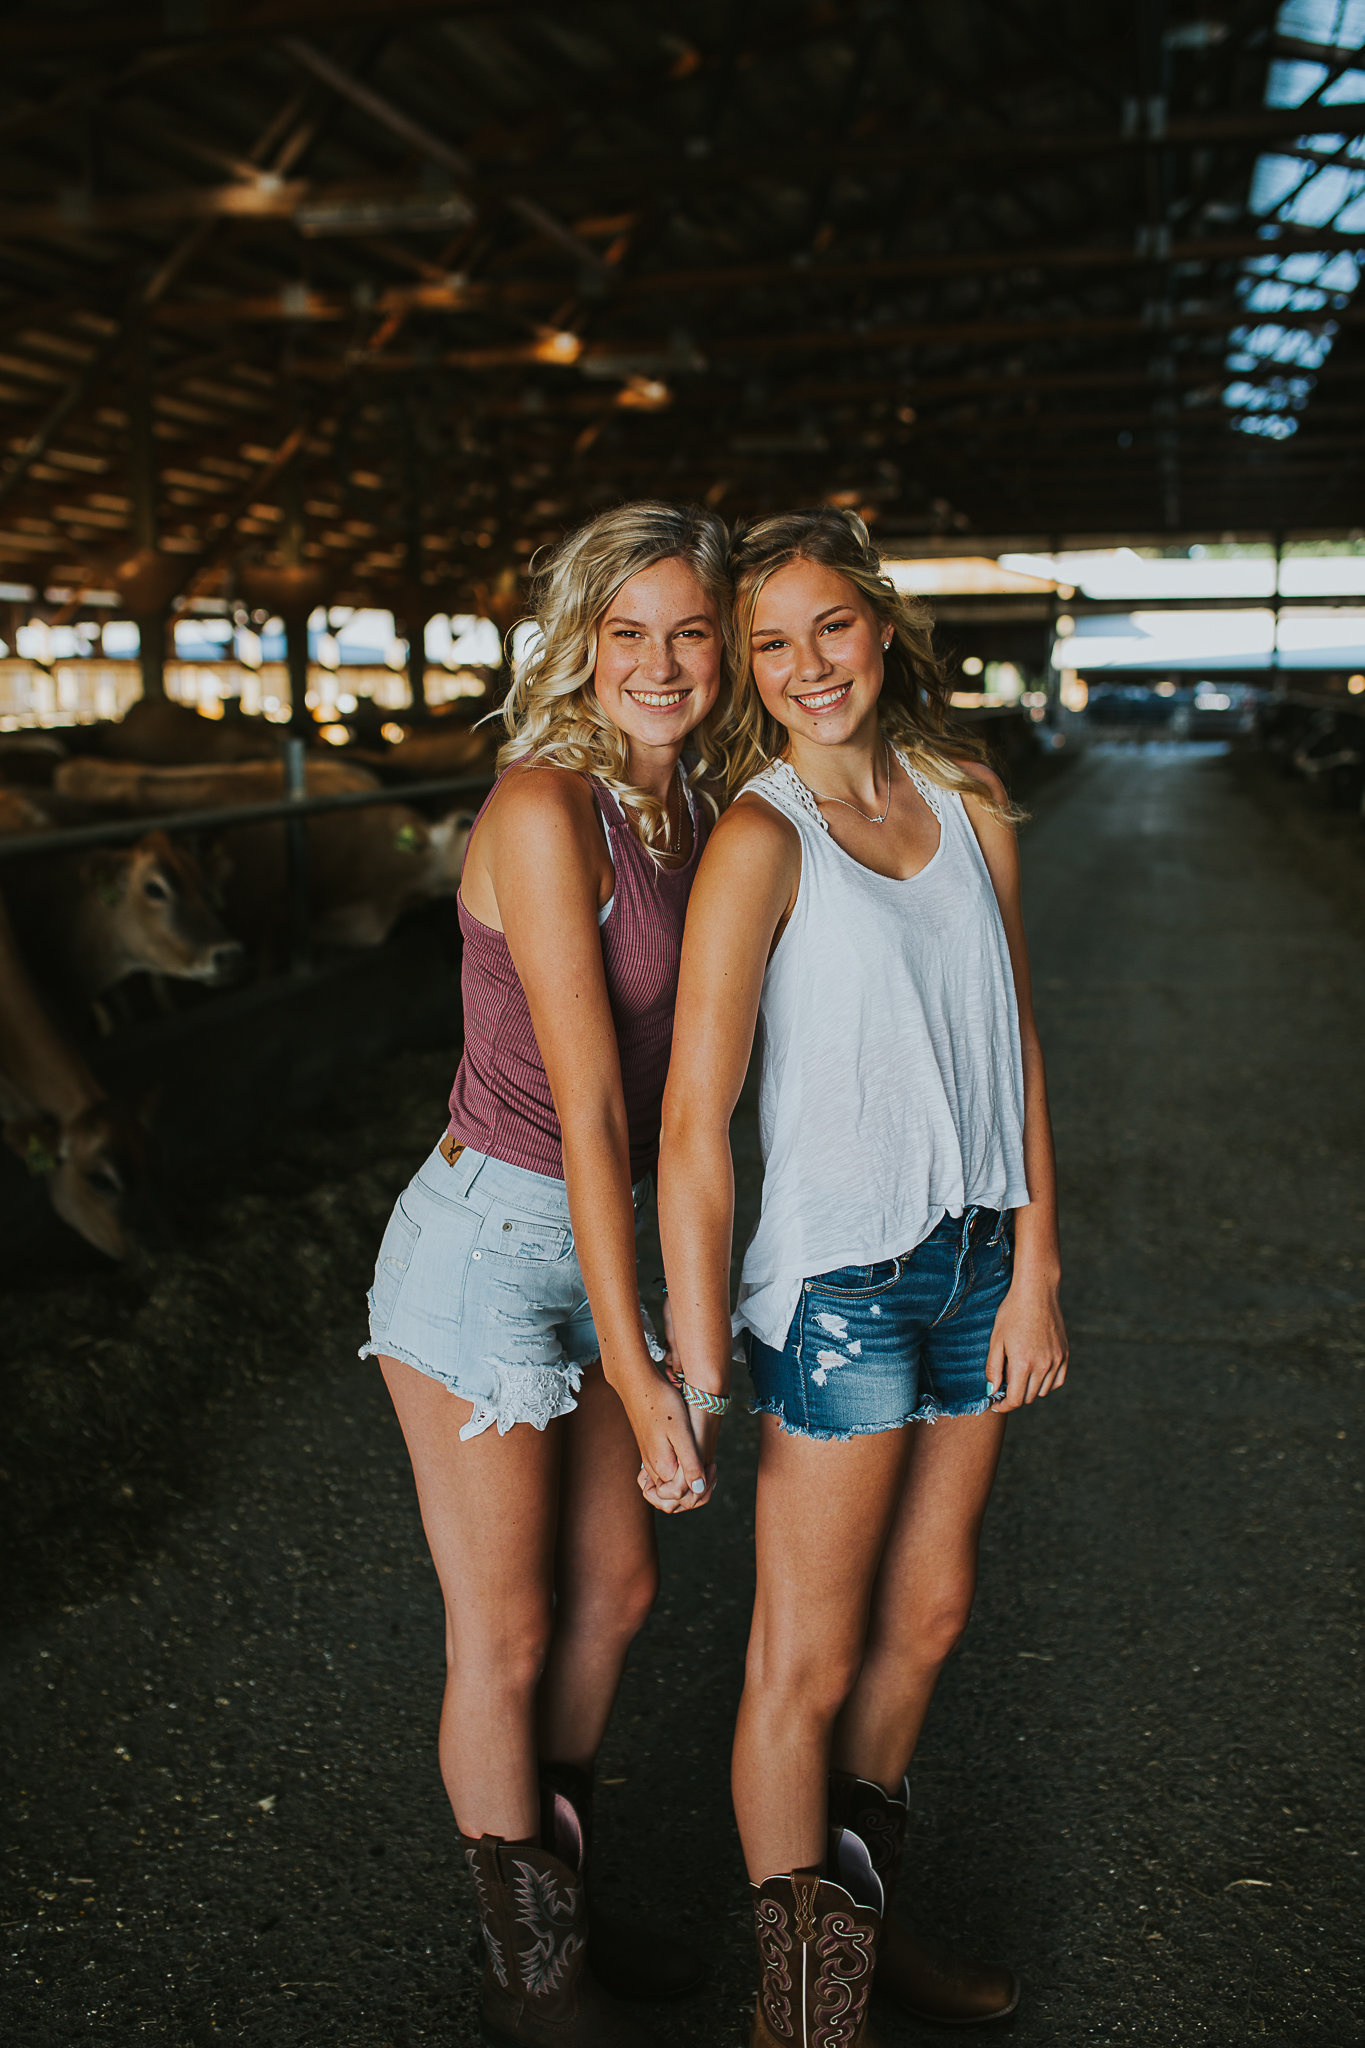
pixel 915 704
pixel 551 711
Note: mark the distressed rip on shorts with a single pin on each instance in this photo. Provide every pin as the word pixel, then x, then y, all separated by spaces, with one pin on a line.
pixel 872 1348
pixel 478 1285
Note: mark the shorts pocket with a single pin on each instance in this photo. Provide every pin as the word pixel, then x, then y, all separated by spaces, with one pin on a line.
pixel 511 1235
pixel 395 1256
pixel 856 1283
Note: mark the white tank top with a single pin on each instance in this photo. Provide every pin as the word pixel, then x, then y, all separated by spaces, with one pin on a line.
pixel 892 1085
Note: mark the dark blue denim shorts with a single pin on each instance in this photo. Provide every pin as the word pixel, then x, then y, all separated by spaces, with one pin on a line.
pixel 874 1347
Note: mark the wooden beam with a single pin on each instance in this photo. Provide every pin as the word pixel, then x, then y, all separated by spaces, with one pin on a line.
pixel 805 278
pixel 450 295
pixel 657 356
pixel 631 169
pixel 41 439
pixel 100 28
pixel 437 151
pixel 262 198
pixel 969 333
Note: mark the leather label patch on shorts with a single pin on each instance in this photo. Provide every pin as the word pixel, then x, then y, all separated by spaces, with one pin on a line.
pixel 450 1149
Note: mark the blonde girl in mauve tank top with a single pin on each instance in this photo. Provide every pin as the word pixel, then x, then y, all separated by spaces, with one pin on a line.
pixel 860 902
pixel 505 1311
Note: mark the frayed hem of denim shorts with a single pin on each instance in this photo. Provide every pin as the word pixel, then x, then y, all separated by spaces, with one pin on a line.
pixel 538 1394
pixel 928 1411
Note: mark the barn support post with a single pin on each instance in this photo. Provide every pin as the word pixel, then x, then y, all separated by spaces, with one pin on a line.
pixel 151 624
pixel 415 630
pixel 296 853
pixel 296 658
pixel 296 615
pixel 416 605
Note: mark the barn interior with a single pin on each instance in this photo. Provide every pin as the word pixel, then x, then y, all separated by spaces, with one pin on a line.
pixel 320 322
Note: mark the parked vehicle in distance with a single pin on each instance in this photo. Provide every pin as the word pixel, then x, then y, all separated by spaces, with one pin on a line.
pixel 1207 709
pixel 1218 710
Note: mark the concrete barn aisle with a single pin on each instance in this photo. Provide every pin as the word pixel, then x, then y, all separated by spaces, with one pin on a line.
pixel 224 1822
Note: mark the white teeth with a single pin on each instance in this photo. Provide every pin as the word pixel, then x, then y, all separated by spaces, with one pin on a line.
pixel 658 699
pixel 825 697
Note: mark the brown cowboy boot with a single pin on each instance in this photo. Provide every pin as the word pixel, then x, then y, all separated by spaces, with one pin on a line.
pixel 537 1989
pixel 629 1958
pixel 926 1978
pixel 817 1950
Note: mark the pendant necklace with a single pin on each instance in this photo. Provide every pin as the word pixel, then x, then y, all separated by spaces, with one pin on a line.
pixel 864 815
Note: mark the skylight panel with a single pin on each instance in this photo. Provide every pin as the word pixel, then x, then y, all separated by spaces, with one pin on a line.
pixel 1339 24
pixel 1305 190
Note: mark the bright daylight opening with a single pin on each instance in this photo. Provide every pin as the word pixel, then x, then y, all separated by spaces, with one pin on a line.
pixel 1317 181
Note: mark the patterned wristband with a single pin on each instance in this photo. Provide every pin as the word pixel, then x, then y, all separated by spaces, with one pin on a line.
pixel 697 1397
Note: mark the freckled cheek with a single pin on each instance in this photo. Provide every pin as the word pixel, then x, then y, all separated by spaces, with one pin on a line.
pixel 611 675
pixel 772 686
pixel 702 676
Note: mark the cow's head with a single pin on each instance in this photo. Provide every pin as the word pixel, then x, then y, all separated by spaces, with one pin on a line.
pixel 95 1170
pixel 153 899
pixel 449 841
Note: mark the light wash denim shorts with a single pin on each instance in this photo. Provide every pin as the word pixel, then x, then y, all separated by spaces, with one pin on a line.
pixel 478 1285
pixel 873 1348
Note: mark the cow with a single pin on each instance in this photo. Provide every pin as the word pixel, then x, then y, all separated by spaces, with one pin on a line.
pixel 86 921
pixel 365 868
pixel 158 730
pixel 447 749
pixel 19 813
pixel 91 1154
pixel 134 789
pixel 30 758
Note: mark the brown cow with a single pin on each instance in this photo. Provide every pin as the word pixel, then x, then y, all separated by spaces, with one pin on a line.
pixel 90 1153
pixel 19 813
pixel 134 789
pixel 448 749
pixel 87 921
pixel 365 868
pixel 156 729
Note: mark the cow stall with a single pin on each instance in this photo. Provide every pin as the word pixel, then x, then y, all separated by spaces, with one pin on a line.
pixel 310 895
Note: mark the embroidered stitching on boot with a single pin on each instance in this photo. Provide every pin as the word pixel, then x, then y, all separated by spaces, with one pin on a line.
pixel 545 1909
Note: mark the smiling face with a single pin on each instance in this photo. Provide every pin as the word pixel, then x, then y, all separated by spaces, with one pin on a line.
pixel 817 650
pixel 658 661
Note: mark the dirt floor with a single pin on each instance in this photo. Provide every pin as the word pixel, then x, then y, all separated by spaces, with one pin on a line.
pixel 222 1661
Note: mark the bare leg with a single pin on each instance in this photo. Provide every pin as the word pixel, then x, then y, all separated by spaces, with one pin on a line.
pixel 824 1510
pixel 606 1573
pixel 489 1508
pixel 922 1598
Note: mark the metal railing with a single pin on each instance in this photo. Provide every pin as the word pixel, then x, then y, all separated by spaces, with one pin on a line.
pixel 294 809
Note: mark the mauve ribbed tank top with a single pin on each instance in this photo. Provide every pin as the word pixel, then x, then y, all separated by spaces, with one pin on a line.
pixel 501 1103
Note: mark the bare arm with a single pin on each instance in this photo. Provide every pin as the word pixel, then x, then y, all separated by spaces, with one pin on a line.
pixel 545 864
pixel 1029 1347
pixel 745 888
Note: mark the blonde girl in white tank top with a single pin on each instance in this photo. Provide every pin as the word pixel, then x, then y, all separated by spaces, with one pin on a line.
pixel 860 901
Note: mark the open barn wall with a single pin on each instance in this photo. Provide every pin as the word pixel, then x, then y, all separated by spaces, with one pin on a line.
pixel 370 303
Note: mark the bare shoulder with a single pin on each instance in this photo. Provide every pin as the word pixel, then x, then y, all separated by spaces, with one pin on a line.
pixel 532 790
pixel 991 786
pixel 751 833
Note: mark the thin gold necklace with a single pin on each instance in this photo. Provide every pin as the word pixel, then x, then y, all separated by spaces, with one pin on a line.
pixel 864 815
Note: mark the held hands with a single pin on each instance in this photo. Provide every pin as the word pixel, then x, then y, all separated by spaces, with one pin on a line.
pixel 687 1481
pixel 1028 1355
pixel 672 1475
